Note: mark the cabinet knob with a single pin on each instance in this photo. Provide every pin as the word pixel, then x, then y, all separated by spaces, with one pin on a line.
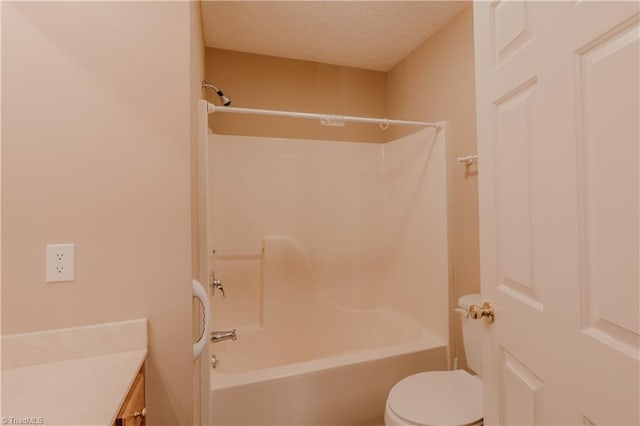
pixel 141 413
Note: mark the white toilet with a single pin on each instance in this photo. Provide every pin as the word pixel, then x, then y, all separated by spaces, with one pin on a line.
pixel 436 398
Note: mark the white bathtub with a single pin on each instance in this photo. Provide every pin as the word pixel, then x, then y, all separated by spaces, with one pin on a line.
pixel 338 390
pixel 262 383
pixel 309 361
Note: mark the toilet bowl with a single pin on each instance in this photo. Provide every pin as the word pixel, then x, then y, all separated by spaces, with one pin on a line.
pixel 436 398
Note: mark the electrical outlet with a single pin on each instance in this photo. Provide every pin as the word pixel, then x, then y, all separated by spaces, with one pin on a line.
pixel 61 262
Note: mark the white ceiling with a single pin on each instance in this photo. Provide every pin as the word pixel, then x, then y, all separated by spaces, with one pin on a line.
pixel 373 35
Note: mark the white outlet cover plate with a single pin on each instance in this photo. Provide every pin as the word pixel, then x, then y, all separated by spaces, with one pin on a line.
pixel 61 262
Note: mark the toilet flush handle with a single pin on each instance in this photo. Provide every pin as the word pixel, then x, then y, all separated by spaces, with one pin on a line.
pixel 464 314
pixel 485 311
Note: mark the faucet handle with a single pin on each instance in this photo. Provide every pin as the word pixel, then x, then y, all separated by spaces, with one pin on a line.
pixel 216 283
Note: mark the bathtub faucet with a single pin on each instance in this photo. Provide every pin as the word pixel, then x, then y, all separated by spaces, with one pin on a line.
pixel 219 336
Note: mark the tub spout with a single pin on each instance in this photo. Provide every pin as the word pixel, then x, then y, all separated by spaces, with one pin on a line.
pixel 219 336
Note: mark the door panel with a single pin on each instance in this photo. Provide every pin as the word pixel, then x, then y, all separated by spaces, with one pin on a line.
pixel 608 142
pixel 519 391
pixel 557 97
pixel 514 178
pixel 511 29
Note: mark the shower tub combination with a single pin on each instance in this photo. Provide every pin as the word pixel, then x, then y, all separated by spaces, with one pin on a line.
pixel 330 315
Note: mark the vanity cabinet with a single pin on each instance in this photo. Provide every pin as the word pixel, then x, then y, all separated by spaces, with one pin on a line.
pixel 133 411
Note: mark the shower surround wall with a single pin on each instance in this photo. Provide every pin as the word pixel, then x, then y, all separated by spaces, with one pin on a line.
pixel 368 219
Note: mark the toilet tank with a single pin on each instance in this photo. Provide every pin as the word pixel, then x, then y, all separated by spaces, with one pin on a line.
pixel 472 333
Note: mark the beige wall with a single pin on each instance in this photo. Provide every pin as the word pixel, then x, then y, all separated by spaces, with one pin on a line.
pixel 258 81
pixel 197 75
pixel 436 82
pixel 95 140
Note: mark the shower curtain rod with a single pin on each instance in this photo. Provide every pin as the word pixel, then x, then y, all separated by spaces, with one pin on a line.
pixel 329 119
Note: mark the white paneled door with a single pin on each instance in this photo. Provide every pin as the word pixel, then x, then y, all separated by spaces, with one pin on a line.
pixel 557 97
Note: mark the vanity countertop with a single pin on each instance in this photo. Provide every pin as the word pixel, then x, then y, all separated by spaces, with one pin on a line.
pixel 72 376
pixel 83 391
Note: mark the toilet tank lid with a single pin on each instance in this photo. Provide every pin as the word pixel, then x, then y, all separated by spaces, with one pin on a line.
pixel 470 299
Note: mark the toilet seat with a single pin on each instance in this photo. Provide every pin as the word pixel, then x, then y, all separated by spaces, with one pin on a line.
pixel 437 398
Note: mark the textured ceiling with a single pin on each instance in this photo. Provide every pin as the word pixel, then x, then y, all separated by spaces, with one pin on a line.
pixel 373 35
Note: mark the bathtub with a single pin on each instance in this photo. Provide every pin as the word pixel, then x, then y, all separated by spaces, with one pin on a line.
pixel 331 376
pixel 308 360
